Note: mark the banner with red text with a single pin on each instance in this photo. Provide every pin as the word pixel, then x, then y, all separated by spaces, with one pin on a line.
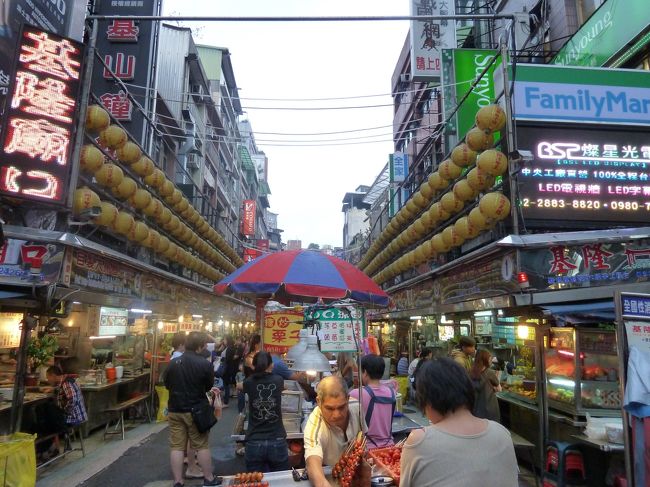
pixel 281 330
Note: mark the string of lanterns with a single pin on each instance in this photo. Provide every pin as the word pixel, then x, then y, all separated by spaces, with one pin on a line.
pixel 404 229
pixel 123 187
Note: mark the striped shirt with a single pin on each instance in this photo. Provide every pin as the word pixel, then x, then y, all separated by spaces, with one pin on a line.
pixel 327 441
pixel 71 400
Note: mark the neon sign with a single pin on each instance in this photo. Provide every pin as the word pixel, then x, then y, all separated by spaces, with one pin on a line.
pixel 39 123
pixel 598 177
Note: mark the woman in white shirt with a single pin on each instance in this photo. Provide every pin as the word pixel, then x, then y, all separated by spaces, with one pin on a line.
pixel 457 449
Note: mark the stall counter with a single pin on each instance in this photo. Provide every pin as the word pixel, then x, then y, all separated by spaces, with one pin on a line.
pixel 282 479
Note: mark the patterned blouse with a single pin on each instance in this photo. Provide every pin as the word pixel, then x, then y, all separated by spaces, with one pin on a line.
pixel 71 400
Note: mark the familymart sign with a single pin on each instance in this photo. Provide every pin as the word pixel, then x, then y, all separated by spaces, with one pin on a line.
pixel 593 95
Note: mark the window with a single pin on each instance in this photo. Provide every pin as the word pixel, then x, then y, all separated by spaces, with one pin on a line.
pixel 587 7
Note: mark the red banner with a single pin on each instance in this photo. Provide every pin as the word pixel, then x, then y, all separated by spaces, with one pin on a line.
pixel 281 332
pixel 248 218
pixel 250 254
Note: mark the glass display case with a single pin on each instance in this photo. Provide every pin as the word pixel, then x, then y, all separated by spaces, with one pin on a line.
pixel 582 371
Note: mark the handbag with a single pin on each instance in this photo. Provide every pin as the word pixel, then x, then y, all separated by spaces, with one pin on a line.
pixel 203 417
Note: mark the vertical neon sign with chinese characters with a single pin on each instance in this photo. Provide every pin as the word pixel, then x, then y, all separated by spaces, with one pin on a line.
pixel 39 125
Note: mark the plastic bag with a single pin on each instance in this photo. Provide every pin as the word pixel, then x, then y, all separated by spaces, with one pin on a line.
pixel 163 398
pixel 18 461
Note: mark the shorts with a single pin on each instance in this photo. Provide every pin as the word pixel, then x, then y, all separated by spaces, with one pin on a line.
pixel 182 429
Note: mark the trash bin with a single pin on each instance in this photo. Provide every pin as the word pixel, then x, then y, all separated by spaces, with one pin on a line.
pixel 18 460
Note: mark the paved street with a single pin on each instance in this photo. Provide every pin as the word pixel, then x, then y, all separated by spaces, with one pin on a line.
pixel 148 464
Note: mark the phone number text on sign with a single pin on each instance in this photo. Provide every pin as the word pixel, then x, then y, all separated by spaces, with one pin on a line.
pixel 338 329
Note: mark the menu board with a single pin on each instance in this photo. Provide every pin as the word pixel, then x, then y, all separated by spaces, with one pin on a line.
pixel 113 321
pixel 10 329
pixel 596 175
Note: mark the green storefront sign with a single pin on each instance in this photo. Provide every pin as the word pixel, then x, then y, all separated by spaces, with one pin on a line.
pixel 467 65
pixel 602 39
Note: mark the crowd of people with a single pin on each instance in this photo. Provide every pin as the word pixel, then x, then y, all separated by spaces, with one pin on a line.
pixel 464 442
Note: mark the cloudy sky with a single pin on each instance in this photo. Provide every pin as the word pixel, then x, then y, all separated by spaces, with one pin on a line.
pixel 295 61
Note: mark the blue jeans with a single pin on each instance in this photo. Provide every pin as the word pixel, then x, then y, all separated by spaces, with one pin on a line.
pixel 267 455
pixel 241 401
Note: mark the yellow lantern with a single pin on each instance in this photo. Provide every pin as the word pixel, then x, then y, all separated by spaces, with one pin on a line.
pixel 419 228
pixel 438 244
pixel 176 197
pixel 165 216
pixel 400 219
pixel 182 204
pixel 123 223
pixel 125 189
pixel 451 237
pixel 152 239
pixel 479 179
pixel 462 155
pixel 451 204
pixel 162 245
pixel 438 213
pixel 113 137
pixel 129 153
pixel 448 170
pixel 109 175
pixel 143 167
pixel 412 207
pixel 429 250
pixel 107 215
pixel 465 229
pixel 420 255
pixel 463 191
pixel 90 158
pixel 479 220
pixel 139 232
pixel 167 188
pixel 170 253
pixel 97 118
pixel 478 140
pixel 154 209
pixel 427 221
pixel 437 182
pixel 491 118
pixel 155 179
pixel 84 199
pixel 140 199
pixel 495 205
pixel 493 162
pixel 419 200
pixel 426 190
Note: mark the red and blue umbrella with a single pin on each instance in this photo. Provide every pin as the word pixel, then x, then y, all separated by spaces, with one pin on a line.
pixel 302 275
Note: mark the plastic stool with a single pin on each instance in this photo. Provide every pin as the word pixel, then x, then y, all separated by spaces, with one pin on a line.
pixel 564 465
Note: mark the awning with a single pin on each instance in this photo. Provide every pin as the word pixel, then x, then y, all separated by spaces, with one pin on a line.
pixel 582 312
pixel 246 161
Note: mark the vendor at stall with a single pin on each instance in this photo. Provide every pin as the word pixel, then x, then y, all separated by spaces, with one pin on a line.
pixel 331 426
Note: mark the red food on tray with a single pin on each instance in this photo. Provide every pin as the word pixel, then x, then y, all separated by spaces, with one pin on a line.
pixel 388 458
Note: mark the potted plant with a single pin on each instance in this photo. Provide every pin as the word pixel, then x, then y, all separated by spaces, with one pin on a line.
pixel 39 352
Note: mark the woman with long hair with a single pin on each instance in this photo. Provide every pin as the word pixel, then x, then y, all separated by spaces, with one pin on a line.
pixel 457 449
pixel 486 384
pixel 266 444
pixel 254 346
pixel 346 367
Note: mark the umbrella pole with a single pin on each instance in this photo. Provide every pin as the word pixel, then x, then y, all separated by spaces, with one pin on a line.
pixel 259 317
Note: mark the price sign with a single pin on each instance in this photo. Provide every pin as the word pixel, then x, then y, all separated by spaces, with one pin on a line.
pixel 282 330
pixel 39 125
pixel 597 176
pixel 340 329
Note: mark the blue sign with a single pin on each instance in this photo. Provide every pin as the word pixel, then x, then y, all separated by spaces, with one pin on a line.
pixel 635 306
pixel 399 167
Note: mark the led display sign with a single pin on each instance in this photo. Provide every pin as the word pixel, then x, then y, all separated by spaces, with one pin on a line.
pixel 597 176
pixel 39 124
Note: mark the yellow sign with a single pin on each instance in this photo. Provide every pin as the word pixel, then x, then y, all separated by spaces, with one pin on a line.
pixel 281 332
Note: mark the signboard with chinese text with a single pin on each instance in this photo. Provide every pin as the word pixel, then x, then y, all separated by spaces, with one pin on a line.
pixel 587 265
pixel 113 321
pixel 635 313
pixel 169 327
pixel 93 271
pixel 21 259
pixel 189 325
pixel 281 330
pixel 582 95
pixel 10 329
pixel 39 125
pixel 338 328
pixel 597 175
pixel 126 47
pixel 248 217
pixel 430 37
pixel 398 166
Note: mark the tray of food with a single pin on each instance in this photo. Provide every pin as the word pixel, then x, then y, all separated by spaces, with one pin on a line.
pixel 388 459
pixel 249 479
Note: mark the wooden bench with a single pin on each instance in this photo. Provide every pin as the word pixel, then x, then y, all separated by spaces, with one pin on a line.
pixel 521 443
pixel 118 409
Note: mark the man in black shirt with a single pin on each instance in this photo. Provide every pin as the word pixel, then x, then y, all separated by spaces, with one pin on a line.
pixel 188 378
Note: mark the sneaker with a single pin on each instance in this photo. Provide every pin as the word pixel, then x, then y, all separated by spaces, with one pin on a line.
pixel 241 451
pixel 215 481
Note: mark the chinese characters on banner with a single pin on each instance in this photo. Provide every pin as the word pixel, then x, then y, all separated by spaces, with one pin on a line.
pixel 39 123
pixel 281 330
pixel 429 37
pixel 125 47
pixel 636 306
pixel 248 217
pixel 589 175
pixel 188 326
pixel 591 264
pixel 338 328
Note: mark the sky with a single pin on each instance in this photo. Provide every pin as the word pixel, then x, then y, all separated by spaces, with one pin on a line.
pixel 307 60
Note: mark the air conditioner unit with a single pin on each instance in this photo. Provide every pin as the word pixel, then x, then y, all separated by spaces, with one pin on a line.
pixel 192 161
pixel 405 78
